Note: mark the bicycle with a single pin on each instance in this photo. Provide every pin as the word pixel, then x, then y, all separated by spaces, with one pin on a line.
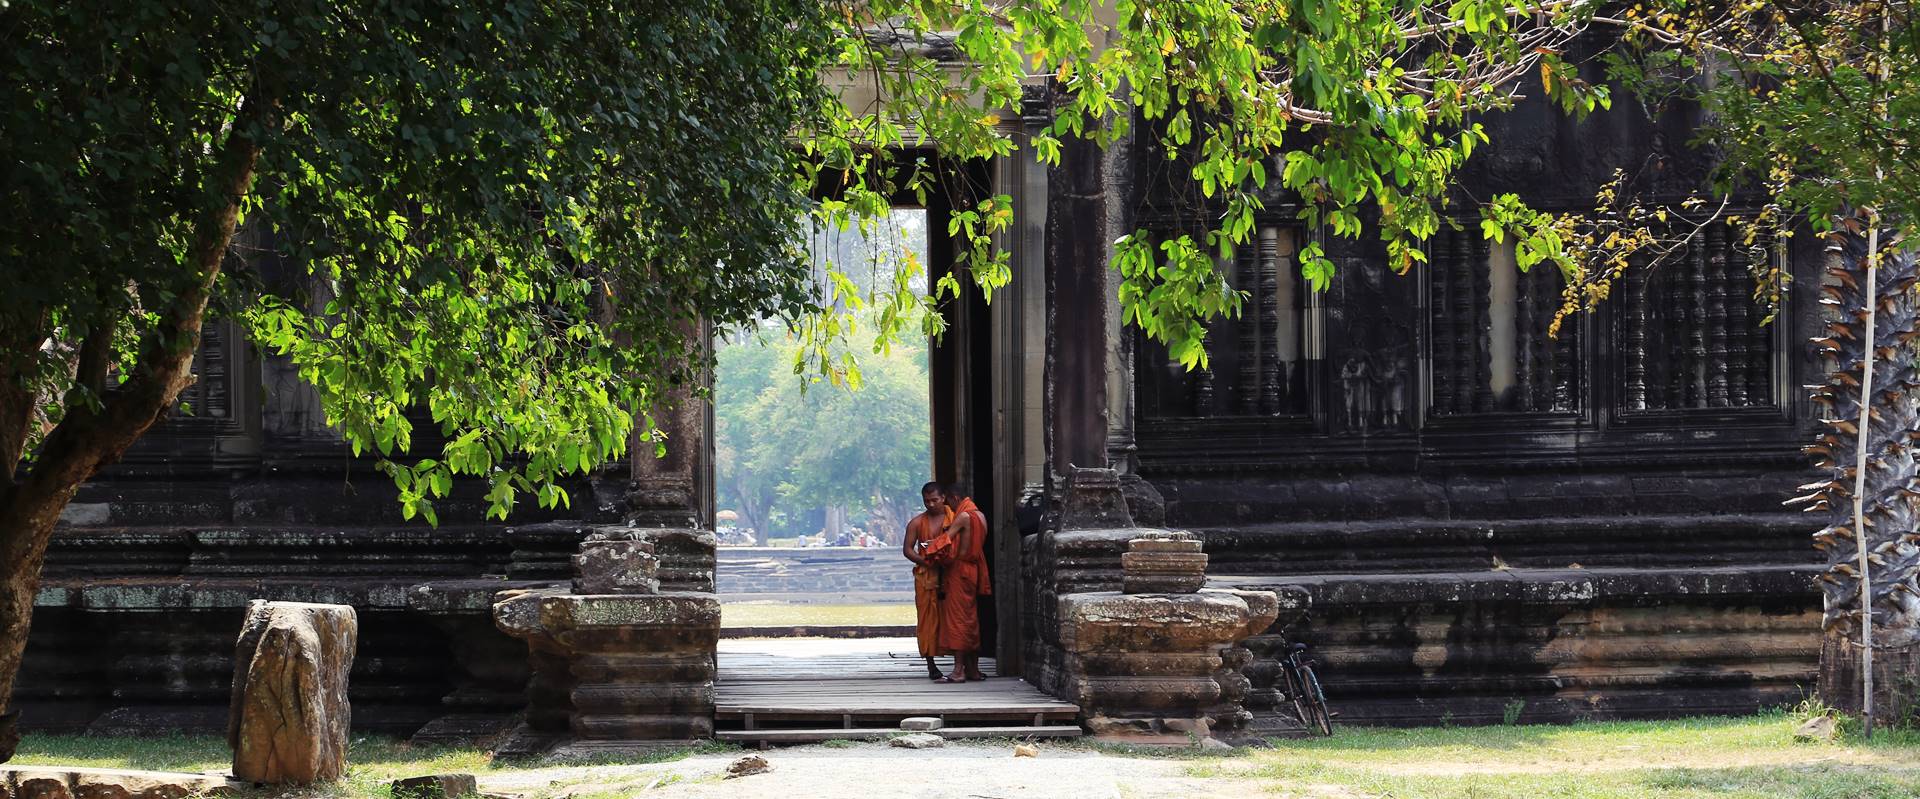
pixel 1309 702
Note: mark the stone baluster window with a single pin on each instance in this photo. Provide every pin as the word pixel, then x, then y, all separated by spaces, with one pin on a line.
pixel 1263 362
pixel 1691 335
pixel 1487 331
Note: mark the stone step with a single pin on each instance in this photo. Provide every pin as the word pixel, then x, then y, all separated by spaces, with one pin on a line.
pixel 270 550
pixel 870 734
pixel 1545 586
pixel 1426 545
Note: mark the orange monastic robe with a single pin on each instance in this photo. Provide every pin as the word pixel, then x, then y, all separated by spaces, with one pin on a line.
pixel 926 588
pixel 965 580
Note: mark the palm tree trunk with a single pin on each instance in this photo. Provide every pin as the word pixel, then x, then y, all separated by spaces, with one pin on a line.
pixel 1884 544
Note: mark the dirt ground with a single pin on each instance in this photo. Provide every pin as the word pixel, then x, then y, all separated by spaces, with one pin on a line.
pixel 960 770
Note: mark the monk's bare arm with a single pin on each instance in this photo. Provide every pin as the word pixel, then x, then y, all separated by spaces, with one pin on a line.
pixel 961 528
pixel 906 546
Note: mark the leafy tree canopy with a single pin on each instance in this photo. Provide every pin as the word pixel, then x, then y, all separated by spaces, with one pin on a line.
pixel 514 214
pixel 452 193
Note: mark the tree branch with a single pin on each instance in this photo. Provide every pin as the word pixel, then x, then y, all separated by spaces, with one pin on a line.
pixel 86 439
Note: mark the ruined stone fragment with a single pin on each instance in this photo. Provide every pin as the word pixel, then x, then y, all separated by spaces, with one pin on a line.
pixel 748 766
pixel 289 715
pixel 102 783
pixel 435 786
pixel 616 567
pixel 1151 566
pixel 918 740
pixel 42 784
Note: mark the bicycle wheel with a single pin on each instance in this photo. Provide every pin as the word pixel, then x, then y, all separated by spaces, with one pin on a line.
pixel 1296 692
pixel 1316 701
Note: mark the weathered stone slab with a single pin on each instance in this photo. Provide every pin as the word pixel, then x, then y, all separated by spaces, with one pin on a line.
pixel 289 715
pixel 616 567
pixel 922 723
pixel 98 783
pixel 42 783
pixel 1154 668
pixel 435 786
pixel 918 740
pixel 618 669
pixel 748 766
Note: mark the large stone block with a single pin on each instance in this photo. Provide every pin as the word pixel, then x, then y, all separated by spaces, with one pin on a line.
pixel 289 715
pixel 1161 668
pixel 1161 565
pixel 616 567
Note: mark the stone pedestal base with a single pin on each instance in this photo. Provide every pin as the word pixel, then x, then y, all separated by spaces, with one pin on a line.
pixel 623 669
pixel 1161 668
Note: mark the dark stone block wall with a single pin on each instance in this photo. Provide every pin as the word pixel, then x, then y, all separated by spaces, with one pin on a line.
pixel 1472 520
pixel 148 576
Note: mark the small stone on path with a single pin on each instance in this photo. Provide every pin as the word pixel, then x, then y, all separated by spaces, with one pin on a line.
pixel 1026 750
pixel 919 740
pixel 922 723
pixel 748 766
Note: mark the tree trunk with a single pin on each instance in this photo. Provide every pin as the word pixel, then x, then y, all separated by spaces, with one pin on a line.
pixel 86 440
pixel 1896 678
pixel 892 518
pixel 1890 513
pixel 836 525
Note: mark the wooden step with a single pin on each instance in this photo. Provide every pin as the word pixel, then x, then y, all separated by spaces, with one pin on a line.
pixel 871 734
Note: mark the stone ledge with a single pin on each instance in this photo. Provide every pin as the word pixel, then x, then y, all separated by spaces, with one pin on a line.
pixel 1548 586
pixel 174 593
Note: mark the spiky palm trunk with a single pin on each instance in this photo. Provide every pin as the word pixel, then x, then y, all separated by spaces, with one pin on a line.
pixel 1890 485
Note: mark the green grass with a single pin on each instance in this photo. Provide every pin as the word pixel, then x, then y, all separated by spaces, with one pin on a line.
pixel 1752 757
pixel 1738 758
pixel 771 615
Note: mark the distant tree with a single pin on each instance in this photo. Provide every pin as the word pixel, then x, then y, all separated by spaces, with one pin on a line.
pixel 747 366
pixel 794 441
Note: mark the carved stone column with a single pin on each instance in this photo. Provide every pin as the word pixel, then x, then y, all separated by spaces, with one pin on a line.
pixel 675 489
pixel 1150 666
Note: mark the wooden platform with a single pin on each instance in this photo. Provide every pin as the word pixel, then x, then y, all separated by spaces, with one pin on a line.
pixel 814 689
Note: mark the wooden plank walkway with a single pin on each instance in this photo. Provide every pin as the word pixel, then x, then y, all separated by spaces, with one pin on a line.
pixel 793 689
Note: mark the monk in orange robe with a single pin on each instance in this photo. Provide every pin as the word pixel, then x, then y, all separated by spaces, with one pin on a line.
pixel 928 556
pixel 963 583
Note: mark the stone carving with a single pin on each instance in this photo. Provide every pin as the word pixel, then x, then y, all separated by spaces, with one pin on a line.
pixel 606 566
pixel 545 551
pixel 1152 566
pixel 1374 390
pixel 289 717
pixel 1094 500
pixel 626 666
pixel 1146 667
pixel 1155 663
